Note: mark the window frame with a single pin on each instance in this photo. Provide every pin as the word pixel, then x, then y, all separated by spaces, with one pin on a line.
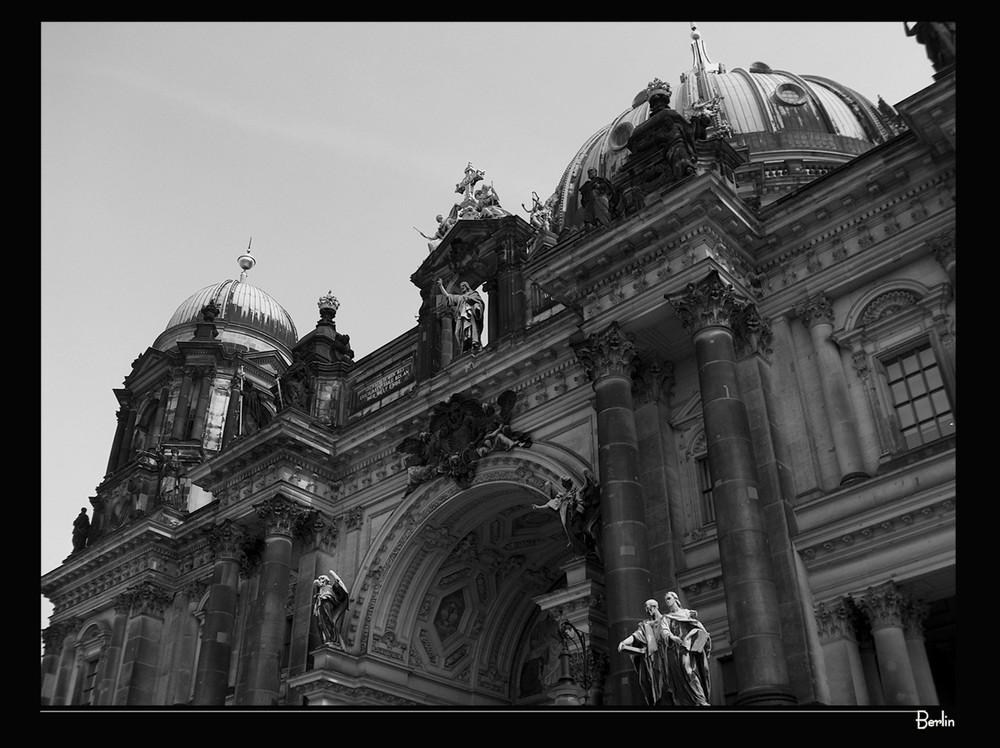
pixel 889 323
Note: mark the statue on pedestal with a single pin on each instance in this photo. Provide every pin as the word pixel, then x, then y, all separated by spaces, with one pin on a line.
pixel 330 601
pixel 670 652
pixel 81 529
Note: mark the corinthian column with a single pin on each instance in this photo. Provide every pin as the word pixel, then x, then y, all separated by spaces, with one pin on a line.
pixel 886 608
pixel 817 315
pixel 711 311
pixel 280 517
pixel 608 358
pixel 212 676
pixel 841 654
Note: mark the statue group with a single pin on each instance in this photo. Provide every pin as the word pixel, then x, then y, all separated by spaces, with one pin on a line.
pixel 459 433
pixel 670 652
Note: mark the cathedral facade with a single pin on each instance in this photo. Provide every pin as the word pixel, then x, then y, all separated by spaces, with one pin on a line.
pixel 718 361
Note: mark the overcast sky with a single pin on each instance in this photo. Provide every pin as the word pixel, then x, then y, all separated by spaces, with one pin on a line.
pixel 166 146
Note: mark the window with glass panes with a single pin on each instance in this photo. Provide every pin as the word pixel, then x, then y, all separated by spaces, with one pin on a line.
pixel 919 397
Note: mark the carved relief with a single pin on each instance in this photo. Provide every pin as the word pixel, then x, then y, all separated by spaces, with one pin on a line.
pixel 458 433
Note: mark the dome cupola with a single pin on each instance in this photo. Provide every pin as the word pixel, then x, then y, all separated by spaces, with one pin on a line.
pixel 246 316
pixel 791 128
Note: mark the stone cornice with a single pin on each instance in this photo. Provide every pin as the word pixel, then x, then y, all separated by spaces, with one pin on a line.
pixel 291 436
pixel 898 491
pixel 865 533
pixel 121 548
pixel 679 213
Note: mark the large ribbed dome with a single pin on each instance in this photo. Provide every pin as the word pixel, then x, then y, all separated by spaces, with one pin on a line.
pixel 247 316
pixel 773 114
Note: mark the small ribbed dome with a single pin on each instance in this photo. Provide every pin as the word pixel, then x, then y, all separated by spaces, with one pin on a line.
pixel 247 316
pixel 773 114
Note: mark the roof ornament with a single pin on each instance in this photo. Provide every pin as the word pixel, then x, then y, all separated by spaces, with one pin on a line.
pixel 328 306
pixel 246 262
pixel 476 203
pixel 657 86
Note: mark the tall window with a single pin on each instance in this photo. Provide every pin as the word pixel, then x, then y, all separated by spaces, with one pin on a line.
pixel 705 486
pixel 918 396
pixel 89 681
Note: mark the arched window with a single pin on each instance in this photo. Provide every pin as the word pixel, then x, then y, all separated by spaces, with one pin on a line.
pixel 902 345
pixel 89 650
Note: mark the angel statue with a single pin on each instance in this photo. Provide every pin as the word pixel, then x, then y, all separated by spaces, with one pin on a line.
pixel 443 227
pixel 330 599
pixel 579 511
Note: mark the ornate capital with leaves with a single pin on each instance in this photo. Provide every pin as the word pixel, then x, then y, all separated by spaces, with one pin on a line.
pixel 148 599
pixel 281 516
pixel 226 540
pixel 885 605
pixel 709 303
pixel 816 310
pixel 607 353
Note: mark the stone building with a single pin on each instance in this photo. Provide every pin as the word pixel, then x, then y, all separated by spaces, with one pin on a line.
pixel 728 335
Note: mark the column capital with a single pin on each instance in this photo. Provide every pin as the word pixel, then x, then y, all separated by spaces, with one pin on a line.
pixel 226 540
pixel 195 589
pixel 319 531
pixel 836 620
pixel 281 516
pixel 607 353
pixel 711 302
pixel 943 248
pixel 751 333
pixel 913 620
pixel 884 606
pixel 815 310
pixel 54 635
pixel 652 380
pixel 146 599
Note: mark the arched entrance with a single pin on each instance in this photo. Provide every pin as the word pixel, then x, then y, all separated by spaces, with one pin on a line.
pixel 449 606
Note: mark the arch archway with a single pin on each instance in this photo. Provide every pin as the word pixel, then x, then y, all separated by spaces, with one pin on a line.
pixel 447 593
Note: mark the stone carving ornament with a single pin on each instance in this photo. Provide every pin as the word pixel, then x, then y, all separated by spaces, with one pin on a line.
pixel 460 432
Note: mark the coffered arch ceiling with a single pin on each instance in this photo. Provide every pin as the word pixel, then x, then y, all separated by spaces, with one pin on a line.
pixel 461 570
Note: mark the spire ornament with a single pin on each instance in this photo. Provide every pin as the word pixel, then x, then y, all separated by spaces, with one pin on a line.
pixel 246 262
